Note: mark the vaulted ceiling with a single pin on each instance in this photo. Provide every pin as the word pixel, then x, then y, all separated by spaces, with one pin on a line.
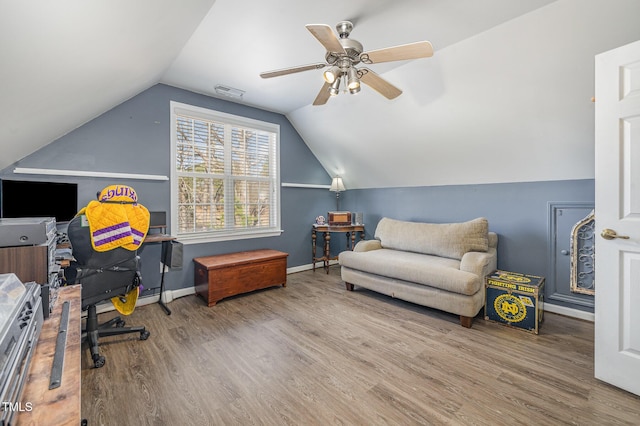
pixel 509 83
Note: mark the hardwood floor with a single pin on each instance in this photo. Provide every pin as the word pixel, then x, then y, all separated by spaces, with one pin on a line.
pixel 313 353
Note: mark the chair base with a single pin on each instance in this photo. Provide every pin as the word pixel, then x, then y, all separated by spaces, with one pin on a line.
pixel 113 327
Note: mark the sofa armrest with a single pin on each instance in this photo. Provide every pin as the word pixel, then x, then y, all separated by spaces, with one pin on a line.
pixel 479 263
pixel 368 245
pixel 493 239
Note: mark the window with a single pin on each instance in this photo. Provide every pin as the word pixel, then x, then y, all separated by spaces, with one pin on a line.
pixel 225 175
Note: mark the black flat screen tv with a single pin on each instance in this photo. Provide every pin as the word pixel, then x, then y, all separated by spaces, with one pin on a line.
pixel 39 199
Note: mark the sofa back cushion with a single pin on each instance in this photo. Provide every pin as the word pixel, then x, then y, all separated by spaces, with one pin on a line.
pixel 450 240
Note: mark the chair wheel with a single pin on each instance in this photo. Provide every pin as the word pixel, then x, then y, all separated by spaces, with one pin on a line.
pixel 144 335
pixel 121 323
pixel 98 361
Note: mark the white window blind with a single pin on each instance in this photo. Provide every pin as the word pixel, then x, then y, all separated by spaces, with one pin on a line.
pixel 225 175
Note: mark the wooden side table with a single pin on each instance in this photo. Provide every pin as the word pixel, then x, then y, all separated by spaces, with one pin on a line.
pixel 349 230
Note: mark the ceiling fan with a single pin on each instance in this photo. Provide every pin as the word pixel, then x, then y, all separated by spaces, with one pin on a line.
pixel 343 54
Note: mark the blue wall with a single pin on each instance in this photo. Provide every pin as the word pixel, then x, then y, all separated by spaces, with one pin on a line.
pixel 134 137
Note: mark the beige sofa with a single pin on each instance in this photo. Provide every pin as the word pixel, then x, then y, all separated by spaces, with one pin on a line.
pixel 439 265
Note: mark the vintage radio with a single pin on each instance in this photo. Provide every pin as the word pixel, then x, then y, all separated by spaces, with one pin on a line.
pixel 339 218
pixel 515 299
pixel 26 231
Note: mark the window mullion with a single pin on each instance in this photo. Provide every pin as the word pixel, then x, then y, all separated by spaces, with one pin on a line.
pixel 194 195
pixel 228 180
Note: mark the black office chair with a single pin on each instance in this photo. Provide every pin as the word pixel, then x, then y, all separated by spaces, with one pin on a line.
pixel 103 275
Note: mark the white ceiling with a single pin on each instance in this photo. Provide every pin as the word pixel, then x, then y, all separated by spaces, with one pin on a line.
pixel 66 62
pixel 231 47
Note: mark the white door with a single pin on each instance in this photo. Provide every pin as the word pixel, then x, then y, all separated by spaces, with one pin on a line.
pixel 617 199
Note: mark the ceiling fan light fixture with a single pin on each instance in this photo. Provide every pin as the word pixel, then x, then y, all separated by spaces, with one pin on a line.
pixel 332 74
pixel 335 87
pixel 353 83
pixel 343 54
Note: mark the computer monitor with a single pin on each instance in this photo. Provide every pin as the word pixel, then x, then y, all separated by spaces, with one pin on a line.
pixel 38 199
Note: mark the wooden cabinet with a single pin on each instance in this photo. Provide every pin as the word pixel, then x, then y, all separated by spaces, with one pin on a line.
pixel 225 275
pixel 29 263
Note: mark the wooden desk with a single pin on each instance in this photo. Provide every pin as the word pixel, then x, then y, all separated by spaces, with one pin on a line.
pixel 349 230
pixel 59 406
pixel 157 238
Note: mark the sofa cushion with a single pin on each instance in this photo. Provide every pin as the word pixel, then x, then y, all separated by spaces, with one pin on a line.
pixel 433 271
pixel 450 240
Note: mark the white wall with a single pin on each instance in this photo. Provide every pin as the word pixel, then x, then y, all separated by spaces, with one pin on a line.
pixel 512 104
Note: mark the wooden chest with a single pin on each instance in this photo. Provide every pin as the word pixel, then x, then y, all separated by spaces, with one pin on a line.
pixel 225 275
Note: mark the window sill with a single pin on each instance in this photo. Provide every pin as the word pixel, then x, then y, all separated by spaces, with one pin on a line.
pixel 211 238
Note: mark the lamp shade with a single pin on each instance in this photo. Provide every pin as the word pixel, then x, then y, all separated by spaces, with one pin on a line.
pixel 337 185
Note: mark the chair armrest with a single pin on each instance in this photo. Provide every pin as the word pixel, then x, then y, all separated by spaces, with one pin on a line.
pixel 480 263
pixel 368 245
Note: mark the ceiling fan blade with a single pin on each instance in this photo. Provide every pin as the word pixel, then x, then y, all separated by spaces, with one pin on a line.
pixel 326 36
pixel 378 83
pixel 323 95
pixel 419 49
pixel 292 70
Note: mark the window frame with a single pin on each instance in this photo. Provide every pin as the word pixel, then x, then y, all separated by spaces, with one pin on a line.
pixel 226 234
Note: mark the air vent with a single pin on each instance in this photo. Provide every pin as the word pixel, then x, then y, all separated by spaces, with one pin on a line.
pixel 229 91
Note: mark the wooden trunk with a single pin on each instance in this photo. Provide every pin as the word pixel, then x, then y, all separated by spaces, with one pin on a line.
pixel 225 275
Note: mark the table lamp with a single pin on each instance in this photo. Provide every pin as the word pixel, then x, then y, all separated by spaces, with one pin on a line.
pixel 337 186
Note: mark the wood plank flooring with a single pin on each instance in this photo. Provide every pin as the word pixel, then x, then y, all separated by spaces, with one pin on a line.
pixel 314 354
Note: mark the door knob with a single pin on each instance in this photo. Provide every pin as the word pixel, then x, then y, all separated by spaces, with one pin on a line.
pixel 610 234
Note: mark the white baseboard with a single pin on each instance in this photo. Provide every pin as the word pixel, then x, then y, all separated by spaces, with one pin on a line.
pixel 309 266
pixel 108 306
pixel 168 296
pixel 171 295
pixel 570 312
